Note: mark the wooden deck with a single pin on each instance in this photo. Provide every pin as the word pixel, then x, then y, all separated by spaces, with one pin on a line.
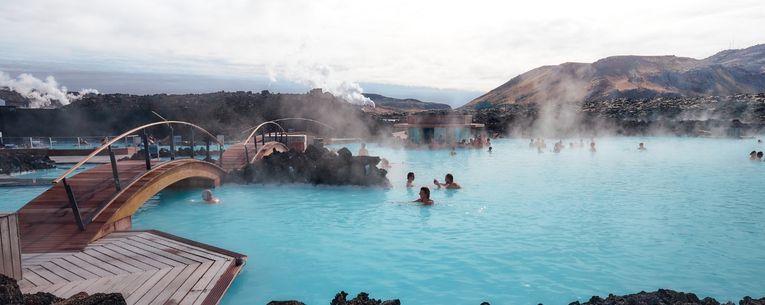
pixel 234 157
pixel 147 267
pixel 47 223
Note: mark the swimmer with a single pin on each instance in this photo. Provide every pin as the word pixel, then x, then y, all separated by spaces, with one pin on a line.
pixel 384 163
pixel 531 144
pixel 490 149
pixel 424 196
pixel 448 183
pixel 592 147
pixel 453 152
pixel 363 150
pixel 641 147
pixel 207 196
pixel 753 155
pixel 759 156
pixel 410 179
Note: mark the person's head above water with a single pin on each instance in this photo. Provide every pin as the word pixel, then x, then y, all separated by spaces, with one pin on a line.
pixel 410 176
pixel 424 192
pixel 207 196
pixel 449 178
pixel 759 155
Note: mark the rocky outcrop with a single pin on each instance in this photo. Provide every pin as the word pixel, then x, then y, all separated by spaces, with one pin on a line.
pixel 361 299
pixel 10 294
pixel 14 161
pixel 662 297
pixel 317 166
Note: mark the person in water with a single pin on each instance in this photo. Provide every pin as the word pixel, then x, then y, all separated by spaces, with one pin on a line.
pixel 207 196
pixel 363 150
pixel 453 152
pixel 759 156
pixel 753 155
pixel 448 183
pixel 384 163
pixel 641 147
pixel 410 179
pixel 424 196
pixel 592 147
pixel 490 149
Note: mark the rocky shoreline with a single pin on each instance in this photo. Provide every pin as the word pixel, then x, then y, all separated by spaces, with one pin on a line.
pixel 316 166
pixel 12 161
pixel 723 116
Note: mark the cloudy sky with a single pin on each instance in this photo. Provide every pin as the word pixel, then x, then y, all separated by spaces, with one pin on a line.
pixel 464 45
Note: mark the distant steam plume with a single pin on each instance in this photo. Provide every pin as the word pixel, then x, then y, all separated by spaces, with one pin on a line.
pixel 41 93
pixel 322 76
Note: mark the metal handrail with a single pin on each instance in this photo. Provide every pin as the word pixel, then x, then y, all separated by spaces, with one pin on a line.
pixel 299 119
pixel 124 135
pixel 258 128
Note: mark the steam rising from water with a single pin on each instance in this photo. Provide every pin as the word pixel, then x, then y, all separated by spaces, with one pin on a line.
pixel 41 93
pixel 322 76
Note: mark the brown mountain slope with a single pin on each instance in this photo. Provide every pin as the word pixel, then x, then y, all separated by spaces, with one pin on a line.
pixel 728 72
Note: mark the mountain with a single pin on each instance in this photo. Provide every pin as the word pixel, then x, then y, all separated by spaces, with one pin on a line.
pixel 384 104
pixel 725 73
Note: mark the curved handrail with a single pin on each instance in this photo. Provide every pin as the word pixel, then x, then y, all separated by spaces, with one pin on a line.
pixel 255 157
pixel 135 180
pixel 258 127
pixel 300 119
pixel 122 136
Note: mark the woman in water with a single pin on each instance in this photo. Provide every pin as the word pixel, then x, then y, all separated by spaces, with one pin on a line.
pixel 448 183
pixel 410 179
pixel 207 196
pixel 424 196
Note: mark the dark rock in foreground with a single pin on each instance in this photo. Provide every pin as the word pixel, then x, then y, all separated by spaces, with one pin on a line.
pixel 317 166
pixel 361 299
pixel 662 297
pixel 10 294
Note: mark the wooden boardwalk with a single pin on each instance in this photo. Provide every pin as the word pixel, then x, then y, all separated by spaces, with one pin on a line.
pixel 147 267
pixel 47 223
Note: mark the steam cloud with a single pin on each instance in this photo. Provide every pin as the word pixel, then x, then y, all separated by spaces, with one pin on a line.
pixel 41 93
pixel 322 76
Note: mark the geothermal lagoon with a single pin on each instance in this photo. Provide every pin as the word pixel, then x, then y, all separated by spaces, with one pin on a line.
pixel 526 228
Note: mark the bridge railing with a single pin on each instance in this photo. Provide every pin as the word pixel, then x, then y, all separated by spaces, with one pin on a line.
pixel 141 131
pixel 268 130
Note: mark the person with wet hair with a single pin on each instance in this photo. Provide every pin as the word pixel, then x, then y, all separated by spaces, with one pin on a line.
pixel 753 155
pixel 759 156
pixel 641 147
pixel 448 183
pixel 424 196
pixel 410 179
pixel 207 196
pixel 363 150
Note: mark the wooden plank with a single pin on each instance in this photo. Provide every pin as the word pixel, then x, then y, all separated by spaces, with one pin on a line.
pixel 47 274
pixel 105 265
pixel 175 284
pixel 125 258
pixel 199 252
pixel 116 262
pixel 153 254
pixel 192 280
pixel 138 255
pixel 163 250
pixel 87 266
pixel 159 286
pixel 6 266
pixel 63 273
pixel 74 269
pixel 199 291
pixel 146 286
pixel 34 279
pixel 13 229
pixel 133 285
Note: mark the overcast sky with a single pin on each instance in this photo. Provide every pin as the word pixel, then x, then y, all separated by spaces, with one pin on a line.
pixel 467 45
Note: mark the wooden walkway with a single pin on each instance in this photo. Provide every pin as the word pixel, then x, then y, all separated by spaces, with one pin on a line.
pixel 47 223
pixel 147 267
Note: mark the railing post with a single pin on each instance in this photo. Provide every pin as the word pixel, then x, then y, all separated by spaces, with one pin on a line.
pixel 246 154
pixel 146 150
pixel 207 149
pixel 220 155
pixel 73 204
pixel 172 144
pixel 192 141
pixel 115 175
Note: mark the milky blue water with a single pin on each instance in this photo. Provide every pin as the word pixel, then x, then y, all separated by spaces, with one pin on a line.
pixel 528 228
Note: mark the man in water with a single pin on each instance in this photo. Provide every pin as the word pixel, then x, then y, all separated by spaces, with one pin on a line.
pixel 759 156
pixel 363 150
pixel 753 155
pixel 641 147
pixel 207 196
pixel 410 179
pixel 424 196
pixel 448 183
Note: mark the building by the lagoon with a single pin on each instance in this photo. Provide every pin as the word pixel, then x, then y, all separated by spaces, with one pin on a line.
pixel 424 129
